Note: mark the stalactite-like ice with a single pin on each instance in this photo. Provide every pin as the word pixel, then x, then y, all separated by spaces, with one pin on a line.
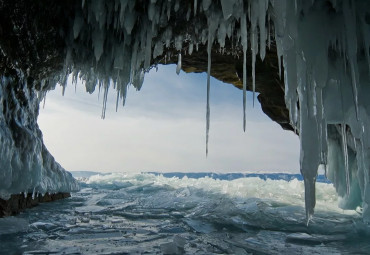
pixel 322 48
pixel 320 44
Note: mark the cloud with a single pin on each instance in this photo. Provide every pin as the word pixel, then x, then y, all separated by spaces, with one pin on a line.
pixel 162 128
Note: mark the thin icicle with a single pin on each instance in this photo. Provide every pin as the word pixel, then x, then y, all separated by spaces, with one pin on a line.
pixel 244 34
pixel 178 68
pixel 118 90
pixel 63 89
pixel 254 53
pixel 345 155
pixel 209 48
pixel 354 87
pixel 117 100
pixel 254 38
pixel 43 104
pixel 195 7
pixel 123 94
pixel 106 88
pixel 148 49
pixel 34 193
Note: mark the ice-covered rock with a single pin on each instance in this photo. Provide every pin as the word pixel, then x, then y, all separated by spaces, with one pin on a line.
pixel 25 163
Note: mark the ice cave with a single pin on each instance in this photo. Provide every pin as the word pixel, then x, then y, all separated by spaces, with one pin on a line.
pixel 309 60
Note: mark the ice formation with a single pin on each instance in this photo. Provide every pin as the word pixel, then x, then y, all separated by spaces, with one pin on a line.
pixel 32 171
pixel 323 52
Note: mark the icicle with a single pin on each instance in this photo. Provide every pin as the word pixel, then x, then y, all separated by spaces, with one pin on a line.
pixel 106 87
pixel 262 27
pixel 254 37
pixel 43 105
pixel 191 47
pixel 168 10
pixel 195 7
pixel 354 88
pixel 227 8
pixel 123 94
pixel 133 61
pixel 63 89
pixel 34 193
pixel 345 155
pixel 177 6
pixel 254 53
pixel 206 4
pixel 178 68
pixel 209 48
pixel 117 100
pixel 148 49
pixel 244 34
pixel 351 42
pixel 118 90
pixel 188 13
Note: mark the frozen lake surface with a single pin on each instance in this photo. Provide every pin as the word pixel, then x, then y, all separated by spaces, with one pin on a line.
pixel 175 214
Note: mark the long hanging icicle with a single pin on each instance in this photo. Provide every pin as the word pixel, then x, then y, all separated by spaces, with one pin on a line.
pixel 106 88
pixel 345 155
pixel 351 42
pixel 117 100
pixel 44 101
pixel 254 38
pixel 209 47
pixel 118 90
pixel 244 34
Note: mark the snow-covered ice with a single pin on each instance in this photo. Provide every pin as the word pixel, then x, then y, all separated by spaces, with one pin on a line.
pixel 136 213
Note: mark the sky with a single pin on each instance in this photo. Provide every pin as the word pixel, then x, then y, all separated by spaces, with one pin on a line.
pixel 162 128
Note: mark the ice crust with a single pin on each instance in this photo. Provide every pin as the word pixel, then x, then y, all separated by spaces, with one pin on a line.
pixel 323 45
pixel 35 170
pixel 187 214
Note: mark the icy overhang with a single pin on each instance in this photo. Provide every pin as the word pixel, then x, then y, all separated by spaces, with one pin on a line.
pixel 322 58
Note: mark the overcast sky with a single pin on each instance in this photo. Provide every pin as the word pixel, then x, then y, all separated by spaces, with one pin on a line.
pixel 162 128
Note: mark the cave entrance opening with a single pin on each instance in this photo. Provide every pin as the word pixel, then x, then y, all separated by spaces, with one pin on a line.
pixel 162 128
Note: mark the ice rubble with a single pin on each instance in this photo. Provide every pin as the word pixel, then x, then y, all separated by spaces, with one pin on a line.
pixel 322 47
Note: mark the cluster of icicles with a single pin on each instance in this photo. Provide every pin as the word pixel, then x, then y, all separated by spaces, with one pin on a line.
pixel 323 46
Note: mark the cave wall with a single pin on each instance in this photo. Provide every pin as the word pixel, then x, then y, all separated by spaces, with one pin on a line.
pixel 31 50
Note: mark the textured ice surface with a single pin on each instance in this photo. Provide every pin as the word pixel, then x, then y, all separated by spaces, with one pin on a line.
pixel 154 214
pixel 25 163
